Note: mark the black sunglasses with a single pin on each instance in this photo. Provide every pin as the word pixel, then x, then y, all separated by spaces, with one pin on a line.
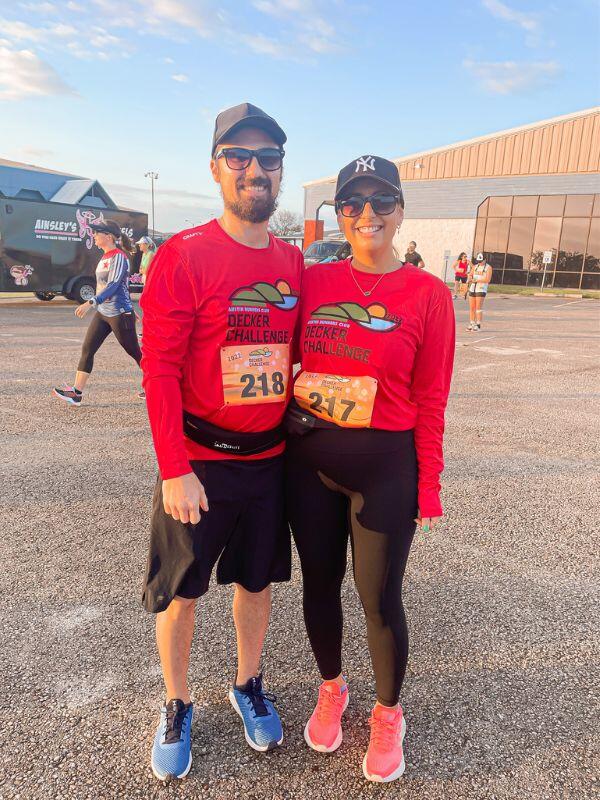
pixel 269 158
pixel 353 206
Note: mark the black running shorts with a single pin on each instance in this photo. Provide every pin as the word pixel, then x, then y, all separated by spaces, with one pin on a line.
pixel 244 532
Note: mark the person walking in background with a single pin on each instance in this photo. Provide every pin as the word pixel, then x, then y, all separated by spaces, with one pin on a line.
pixel 113 310
pixel 479 278
pixel 461 270
pixel 412 257
pixel 148 251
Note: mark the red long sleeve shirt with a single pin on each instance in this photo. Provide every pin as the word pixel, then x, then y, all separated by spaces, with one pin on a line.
pixel 402 335
pixel 211 304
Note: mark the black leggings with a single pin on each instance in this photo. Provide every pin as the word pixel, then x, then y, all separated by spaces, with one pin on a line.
pixel 360 484
pixel 123 327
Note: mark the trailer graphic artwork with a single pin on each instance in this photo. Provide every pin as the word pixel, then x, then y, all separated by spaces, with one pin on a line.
pixel 84 218
pixel 20 275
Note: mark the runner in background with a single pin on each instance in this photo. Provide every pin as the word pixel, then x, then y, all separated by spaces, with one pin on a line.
pixel 412 257
pixel 148 251
pixel 480 276
pixel 220 307
pixel 461 270
pixel 364 456
pixel 113 310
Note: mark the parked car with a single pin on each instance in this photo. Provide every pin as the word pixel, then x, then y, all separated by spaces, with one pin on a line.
pixel 47 248
pixel 324 250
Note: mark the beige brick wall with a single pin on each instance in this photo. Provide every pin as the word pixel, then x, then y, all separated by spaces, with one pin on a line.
pixel 433 236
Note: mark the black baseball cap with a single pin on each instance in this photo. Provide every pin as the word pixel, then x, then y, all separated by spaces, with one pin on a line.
pixel 379 169
pixel 106 226
pixel 245 115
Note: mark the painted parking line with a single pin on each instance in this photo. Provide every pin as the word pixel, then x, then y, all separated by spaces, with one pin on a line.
pixel 571 303
pixel 67 339
pixel 7 334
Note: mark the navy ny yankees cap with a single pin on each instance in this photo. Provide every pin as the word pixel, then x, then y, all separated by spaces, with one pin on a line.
pixel 379 169
pixel 245 115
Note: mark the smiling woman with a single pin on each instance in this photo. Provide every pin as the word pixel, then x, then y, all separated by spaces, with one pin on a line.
pixel 366 427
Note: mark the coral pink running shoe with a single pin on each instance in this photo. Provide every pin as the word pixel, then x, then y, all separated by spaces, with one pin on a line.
pixel 323 731
pixel 384 759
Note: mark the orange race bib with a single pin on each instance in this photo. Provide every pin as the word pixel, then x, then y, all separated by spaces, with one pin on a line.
pixel 255 373
pixel 346 400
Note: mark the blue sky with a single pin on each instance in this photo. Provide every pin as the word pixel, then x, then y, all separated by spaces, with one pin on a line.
pixel 111 89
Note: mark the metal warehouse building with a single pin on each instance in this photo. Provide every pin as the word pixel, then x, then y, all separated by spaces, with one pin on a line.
pixel 514 195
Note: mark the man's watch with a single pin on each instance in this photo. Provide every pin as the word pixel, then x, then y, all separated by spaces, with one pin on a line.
pixel 93 302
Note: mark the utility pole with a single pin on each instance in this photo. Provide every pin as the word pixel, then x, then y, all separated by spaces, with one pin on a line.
pixel 153 177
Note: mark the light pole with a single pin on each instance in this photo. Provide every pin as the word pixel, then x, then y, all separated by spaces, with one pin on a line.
pixel 153 177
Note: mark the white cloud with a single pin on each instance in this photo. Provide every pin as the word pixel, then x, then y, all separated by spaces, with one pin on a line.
pixel 38 152
pixel 74 6
pixel 40 8
pixel 311 29
pixel 21 31
pixel 512 77
pixel 168 60
pixel 23 74
pixel 180 78
pixel 264 45
pixel 528 22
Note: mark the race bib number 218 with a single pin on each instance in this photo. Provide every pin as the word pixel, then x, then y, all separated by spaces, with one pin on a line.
pixel 255 374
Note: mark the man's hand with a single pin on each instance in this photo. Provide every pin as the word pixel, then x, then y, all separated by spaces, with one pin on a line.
pixel 427 524
pixel 183 497
pixel 82 310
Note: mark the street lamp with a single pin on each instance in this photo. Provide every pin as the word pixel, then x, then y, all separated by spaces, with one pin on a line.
pixel 153 177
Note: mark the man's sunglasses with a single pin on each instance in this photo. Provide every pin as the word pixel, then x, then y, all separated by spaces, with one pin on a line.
pixel 353 206
pixel 269 158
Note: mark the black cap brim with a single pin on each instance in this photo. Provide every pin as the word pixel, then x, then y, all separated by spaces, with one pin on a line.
pixel 267 125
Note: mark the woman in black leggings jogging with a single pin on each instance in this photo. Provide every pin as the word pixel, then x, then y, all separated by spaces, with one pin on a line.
pixel 112 304
pixel 364 455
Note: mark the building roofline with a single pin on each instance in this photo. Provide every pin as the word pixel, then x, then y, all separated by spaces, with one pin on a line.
pixel 477 139
pixel 5 162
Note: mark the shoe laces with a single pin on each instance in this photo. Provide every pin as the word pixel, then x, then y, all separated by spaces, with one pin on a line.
pixel 328 705
pixel 384 733
pixel 174 721
pixel 257 696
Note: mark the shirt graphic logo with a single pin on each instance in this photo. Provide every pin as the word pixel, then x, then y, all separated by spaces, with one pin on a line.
pixel 262 294
pixel 374 317
pixel 366 163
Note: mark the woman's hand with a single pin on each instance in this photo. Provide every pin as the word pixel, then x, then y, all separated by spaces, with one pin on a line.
pixel 427 524
pixel 82 310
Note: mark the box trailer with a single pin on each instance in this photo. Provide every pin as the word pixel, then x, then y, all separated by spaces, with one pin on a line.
pixel 47 247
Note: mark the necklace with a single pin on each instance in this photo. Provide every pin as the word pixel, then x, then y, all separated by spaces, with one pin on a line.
pixel 370 291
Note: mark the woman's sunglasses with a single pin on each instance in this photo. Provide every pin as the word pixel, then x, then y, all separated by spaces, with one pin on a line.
pixel 269 158
pixel 353 206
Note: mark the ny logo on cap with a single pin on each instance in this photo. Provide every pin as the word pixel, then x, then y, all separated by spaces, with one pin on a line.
pixel 366 162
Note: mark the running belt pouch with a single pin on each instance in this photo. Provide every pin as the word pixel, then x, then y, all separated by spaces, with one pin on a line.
pixel 234 442
pixel 298 422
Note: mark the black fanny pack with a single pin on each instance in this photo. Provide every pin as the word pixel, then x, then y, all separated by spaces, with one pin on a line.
pixel 234 442
pixel 298 422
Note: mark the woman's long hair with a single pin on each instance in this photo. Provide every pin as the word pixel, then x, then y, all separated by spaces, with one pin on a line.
pixel 125 244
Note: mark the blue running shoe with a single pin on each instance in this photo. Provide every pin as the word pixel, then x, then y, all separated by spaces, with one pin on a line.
pixel 172 748
pixel 262 726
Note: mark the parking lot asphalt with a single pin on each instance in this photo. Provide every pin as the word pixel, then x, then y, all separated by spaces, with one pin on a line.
pixel 502 600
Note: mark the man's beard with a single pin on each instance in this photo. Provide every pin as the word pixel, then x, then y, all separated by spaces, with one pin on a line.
pixel 253 209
